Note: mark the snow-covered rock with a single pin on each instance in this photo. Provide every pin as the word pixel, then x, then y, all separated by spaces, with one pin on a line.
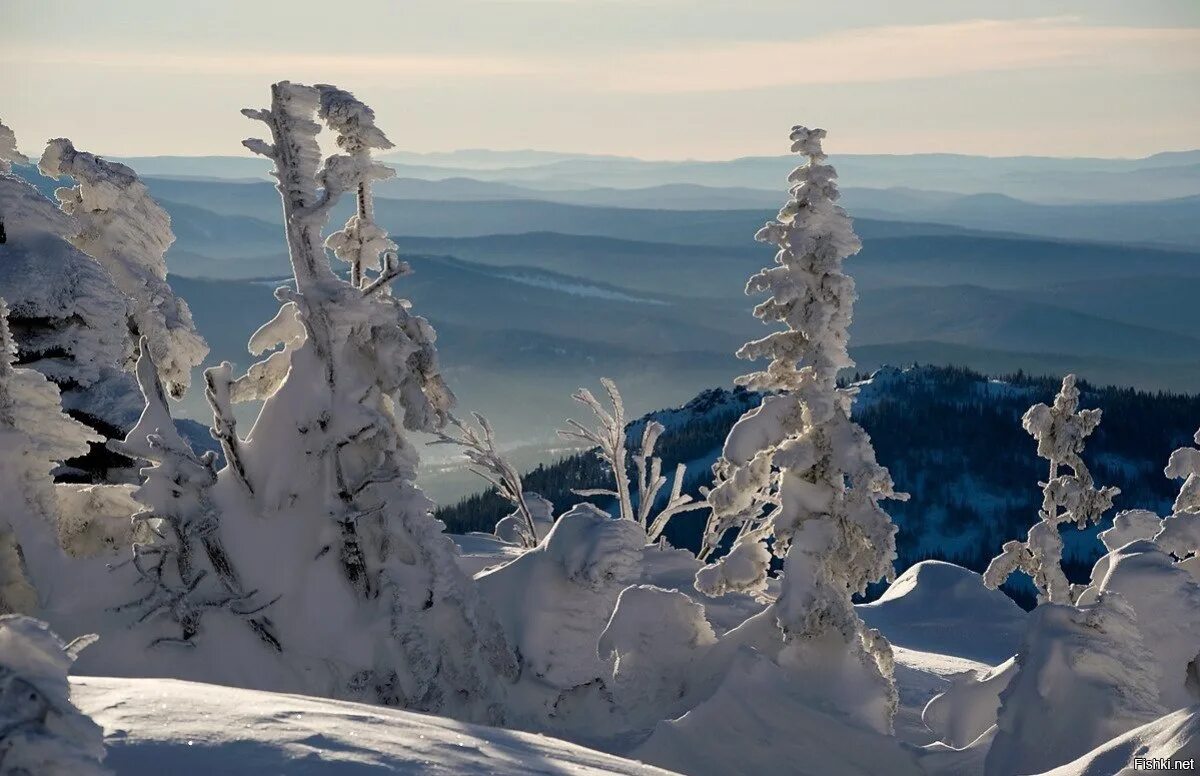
pixel 653 639
pixel 159 726
pixel 969 706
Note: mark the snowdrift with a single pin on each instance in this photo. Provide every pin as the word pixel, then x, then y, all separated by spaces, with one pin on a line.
pixel 943 608
pixel 157 726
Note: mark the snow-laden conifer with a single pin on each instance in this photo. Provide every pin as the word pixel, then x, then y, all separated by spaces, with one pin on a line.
pixel 42 733
pixel 183 570
pixel 35 436
pixel 1060 431
pixel 9 155
pixel 68 319
pixel 1180 531
pixel 797 468
pixel 128 233
pixel 328 462
pixel 1083 675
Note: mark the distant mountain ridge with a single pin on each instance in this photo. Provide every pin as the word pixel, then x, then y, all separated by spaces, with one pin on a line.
pixel 1043 179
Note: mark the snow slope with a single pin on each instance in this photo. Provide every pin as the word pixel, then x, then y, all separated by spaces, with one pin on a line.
pixel 1173 737
pixel 157 726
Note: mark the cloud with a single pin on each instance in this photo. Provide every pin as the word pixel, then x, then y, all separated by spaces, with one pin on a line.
pixel 256 64
pixel 899 53
pixel 865 55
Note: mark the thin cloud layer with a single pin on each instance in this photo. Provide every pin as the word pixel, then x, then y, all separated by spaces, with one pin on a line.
pixel 866 55
pixel 898 53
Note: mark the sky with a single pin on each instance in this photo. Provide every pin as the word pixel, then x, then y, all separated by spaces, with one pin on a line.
pixel 659 79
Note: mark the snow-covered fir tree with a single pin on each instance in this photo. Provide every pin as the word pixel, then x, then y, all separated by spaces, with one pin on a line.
pixel 797 468
pixel 1060 431
pixel 128 233
pixel 35 437
pixel 1083 675
pixel 328 463
pixel 42 733
pixel 1180 532
pixel 183 569
pixel 68 320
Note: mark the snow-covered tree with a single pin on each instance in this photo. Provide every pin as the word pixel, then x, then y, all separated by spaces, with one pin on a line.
pixel 654 639
pixel 68 320
pixel 9 155
pixel 35 436
pixel 554 602
pixel 41 732
pixel 327 461
pixel 128 233
pixel 1060 431
pixel 1180 531
pixel 797 468
pixel 184 570
pixel 1083 675
pixel 610 438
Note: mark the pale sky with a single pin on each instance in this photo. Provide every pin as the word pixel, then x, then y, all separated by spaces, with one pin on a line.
pixel 662 79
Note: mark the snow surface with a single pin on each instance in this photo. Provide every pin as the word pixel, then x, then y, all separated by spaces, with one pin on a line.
pixel 160 726
pixel 1175 736
pixel 945 609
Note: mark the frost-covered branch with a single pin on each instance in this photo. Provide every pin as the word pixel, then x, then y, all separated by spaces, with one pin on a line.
pixel 650 481
pixel 609 437
pixel 1060 431
pixel 479 447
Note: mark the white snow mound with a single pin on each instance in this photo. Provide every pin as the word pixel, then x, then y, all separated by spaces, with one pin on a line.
pixel 940 607
pixel 157 726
